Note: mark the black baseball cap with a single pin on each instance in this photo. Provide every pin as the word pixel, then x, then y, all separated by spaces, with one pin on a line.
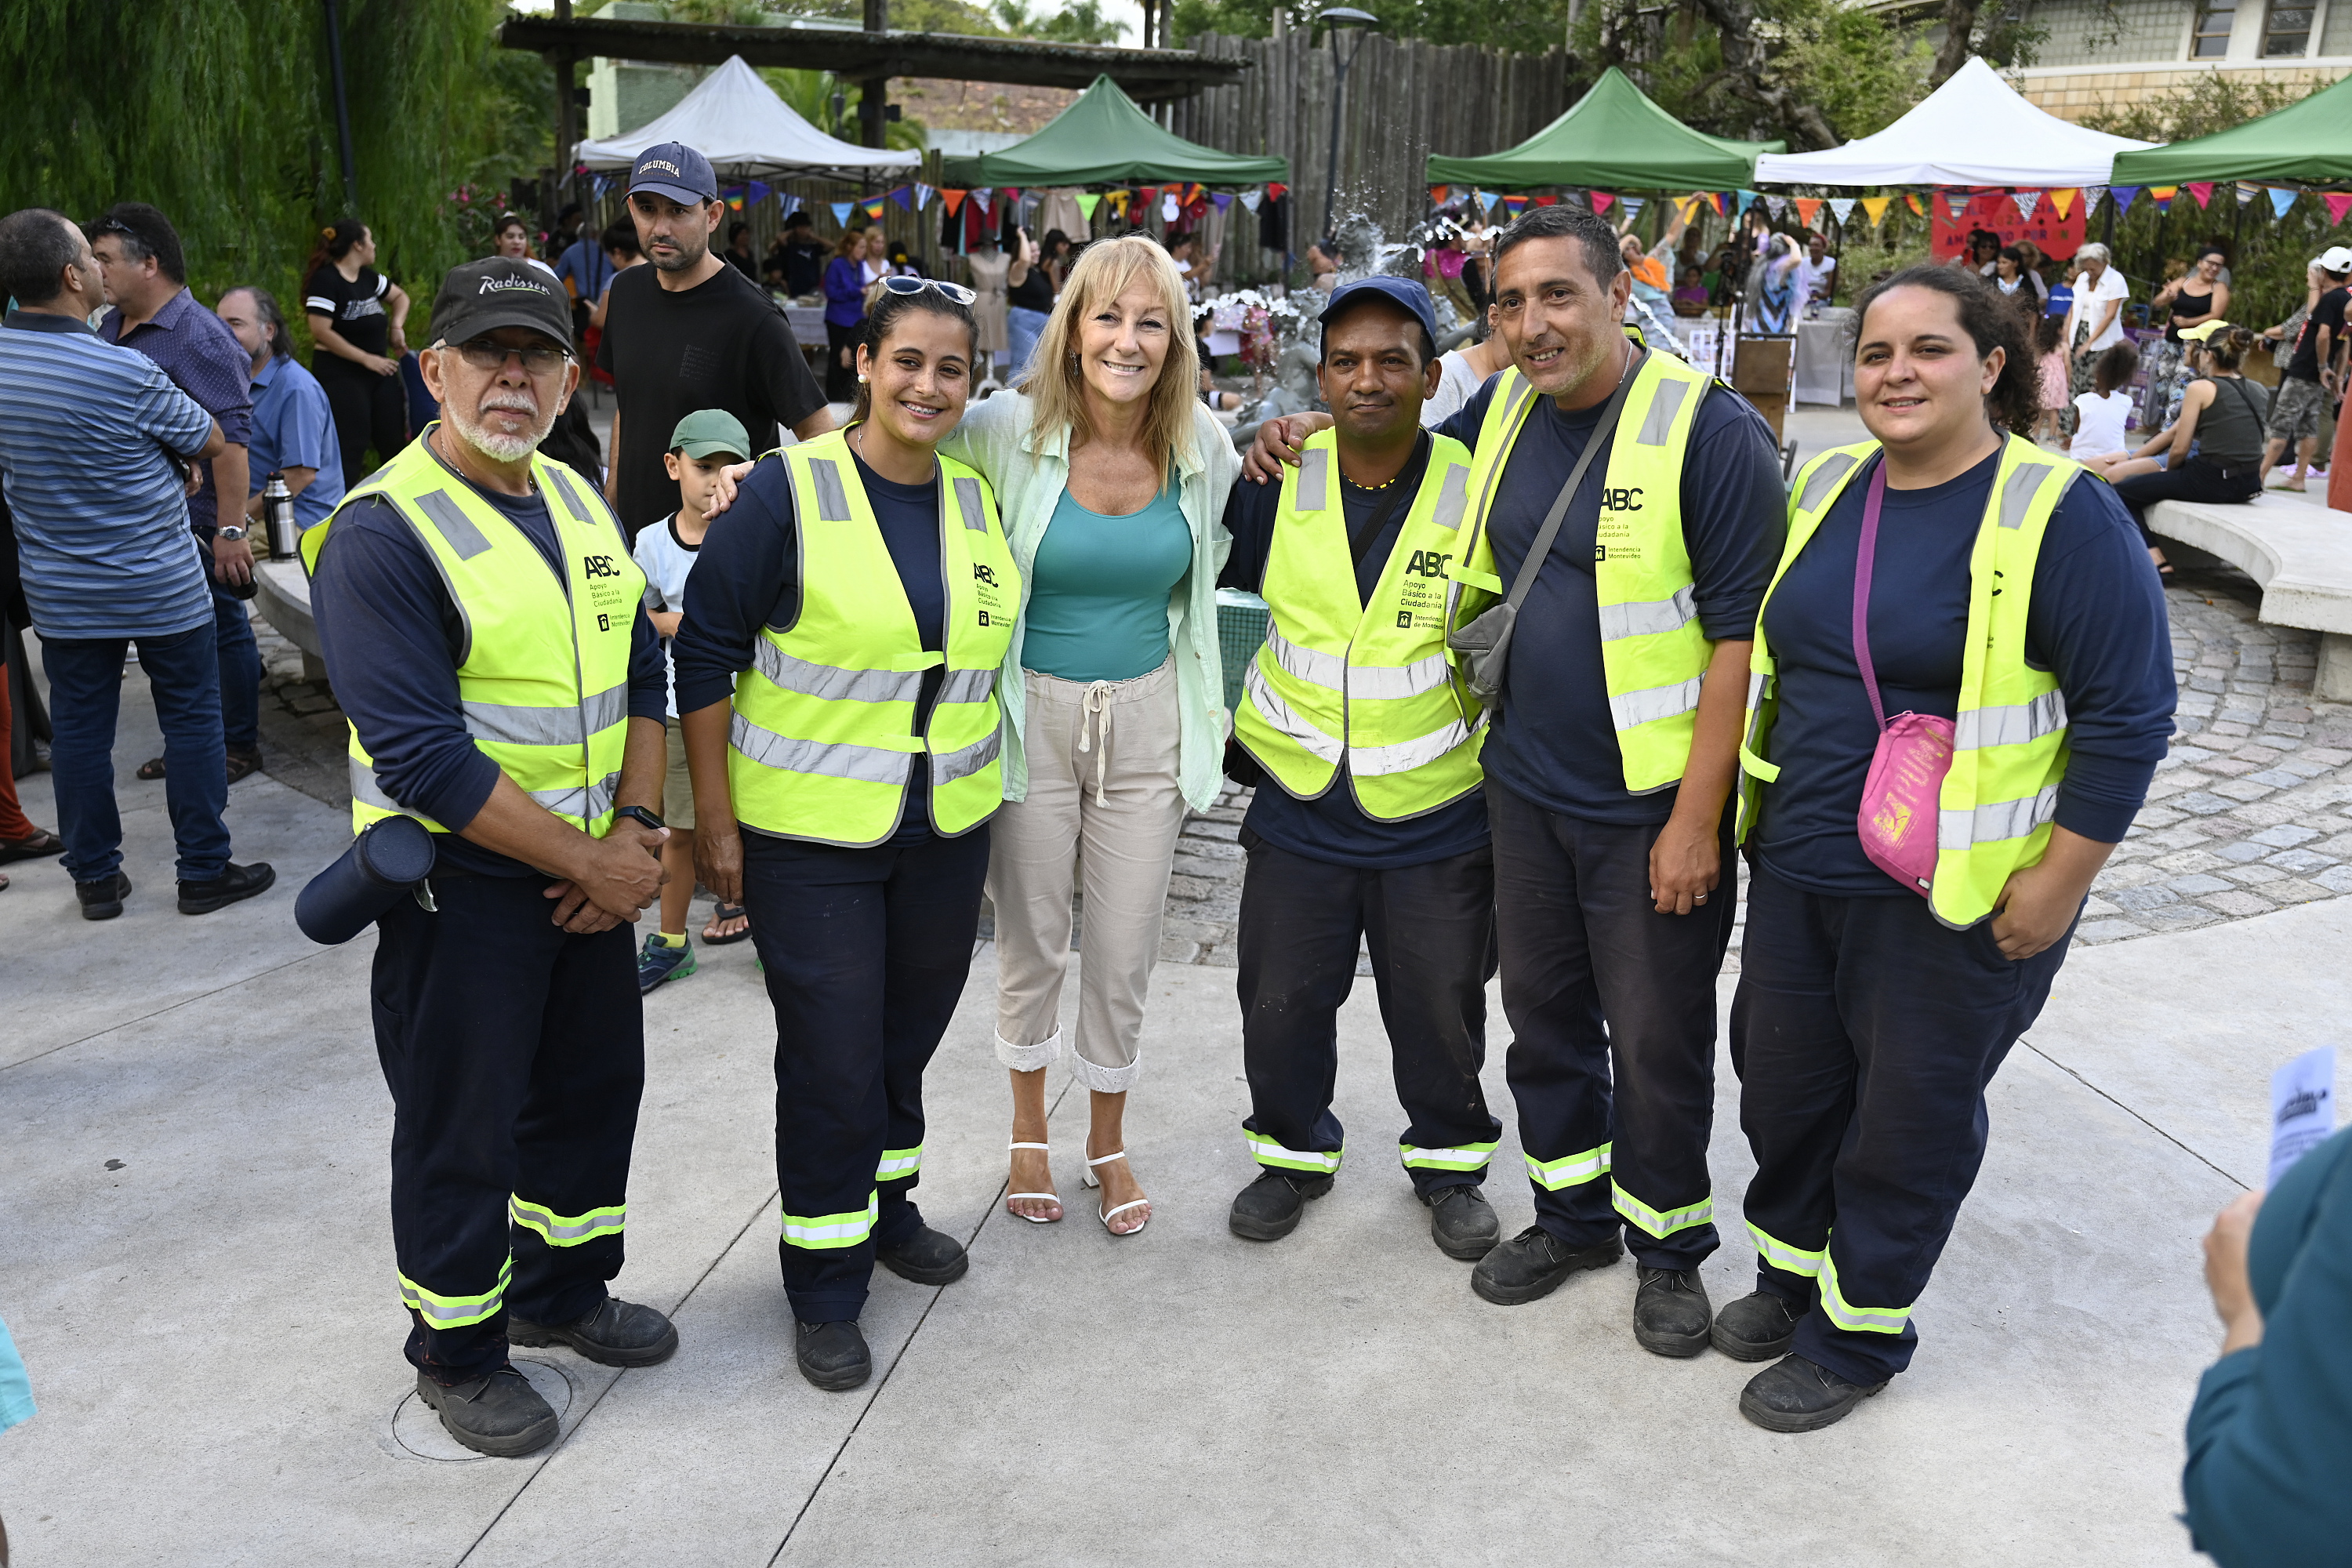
pixel 675 170
pixel 480 297
pixel 1402 291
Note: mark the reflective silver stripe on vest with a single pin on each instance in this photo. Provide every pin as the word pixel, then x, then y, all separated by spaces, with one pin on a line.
pixel 838 760
pixel 1326 670
pixel 832 683
pixel 571 496
pixel 2010 726
pixel 586 803
pixel 519 726
pixel 1664 404
pixel 1376 761
pixel 949 766
pixel 1757 683
pixel 1649 618
pixel 1824 479
pixel 1277 712
pixel 967 685
pixel 2017 494
pixel 1391 683
pixel 368 792
pixel 1453 498
pixel 1314 480
pixel 1627 709
pixel 1995 822
pixel 967 493
pixel 832 500
pixel 456 526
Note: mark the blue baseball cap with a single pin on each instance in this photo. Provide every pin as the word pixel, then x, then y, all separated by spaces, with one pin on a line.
pixel 1405 293
pixel 675 170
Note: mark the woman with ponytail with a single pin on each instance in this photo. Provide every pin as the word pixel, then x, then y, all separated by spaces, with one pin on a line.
pixel 357 318
pixel 2222 415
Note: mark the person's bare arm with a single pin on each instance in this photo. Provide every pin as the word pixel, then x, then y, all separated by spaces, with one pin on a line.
pixel 232 558
pixel 2226 1276
pixel 718 841
pixel 2038 903
pixel 297 479
pixel 601 882
pixel 395 300
pixel 612 456
pixel 666 621
pixel 214 444
pixel 1687 858
pixel 335 343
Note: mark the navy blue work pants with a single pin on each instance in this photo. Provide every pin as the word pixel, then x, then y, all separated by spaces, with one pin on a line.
pixel 239 658
pixel 85 699
pixel 1431 929
pixel 1612 1017
pixel 866 951
pixel 516 1055
pixel 1864 1032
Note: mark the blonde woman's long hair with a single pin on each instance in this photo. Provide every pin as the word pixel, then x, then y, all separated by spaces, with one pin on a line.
pixel 1105 271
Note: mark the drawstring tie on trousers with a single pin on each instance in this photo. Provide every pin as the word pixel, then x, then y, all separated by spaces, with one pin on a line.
pixel 1094 702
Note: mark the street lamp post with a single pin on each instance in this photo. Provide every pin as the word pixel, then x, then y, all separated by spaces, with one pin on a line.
pixel 1339 19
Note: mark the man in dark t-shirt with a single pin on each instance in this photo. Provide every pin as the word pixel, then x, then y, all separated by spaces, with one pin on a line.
pixel 691 332
pixel 2300 406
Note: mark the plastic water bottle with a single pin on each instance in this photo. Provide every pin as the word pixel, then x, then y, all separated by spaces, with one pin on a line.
pixel 277 508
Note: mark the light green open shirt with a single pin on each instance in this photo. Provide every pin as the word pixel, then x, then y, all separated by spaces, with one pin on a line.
pixel 994 438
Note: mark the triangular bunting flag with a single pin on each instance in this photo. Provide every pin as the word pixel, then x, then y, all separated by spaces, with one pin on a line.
pixel 874 208
pixel 1222 199
pixel 1747 199
pixel 1250 199
pixel 841 211
pixel 1911 199
pixel 1147 193
pixel 1776 205
pixel 2090 194
pixel 2162 196
pixel 733 197
pixel 1687 206
pixel 1118 200
pixel 1808 208
pixel 905 196
pixel 2281 201
pixel 2202 190
pixel 1726 203
pixel 1487 200
pixel 1087 202
pixel 2124 196
pixel 1437 195
pixel 923 195
pixel 2338 204
pixel 1843 206
pixel 1274 188
pixel 954 199
pixel 1955 203
pixel 980 194
pixel 1547 201
pixel 2063 202
pixel 1877 207
pixel 1515 206
pixel 1634 205
pixel 755 193
pixel 2246 193
pixel 1013 192
pixel 2026 202
pixel 1603 201
pixel 787 205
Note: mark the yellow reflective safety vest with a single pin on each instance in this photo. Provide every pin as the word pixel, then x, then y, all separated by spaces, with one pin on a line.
pixel 1653 654
pixel 1368 680
pixel 824 734
pixel 544 671
pixel 2010 732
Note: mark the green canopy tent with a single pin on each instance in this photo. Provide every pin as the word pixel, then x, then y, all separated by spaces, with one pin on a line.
pixel 1103 139
pixel 2305 144
pixel 1614 137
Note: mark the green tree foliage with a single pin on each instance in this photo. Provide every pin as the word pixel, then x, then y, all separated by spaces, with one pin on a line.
pixel 1530 28
pixel 1081 22
pixel 2212 103
pixel 1857 73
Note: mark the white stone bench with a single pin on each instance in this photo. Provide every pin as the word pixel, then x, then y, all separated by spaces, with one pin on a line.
pixel 2300 555
pixel 284 597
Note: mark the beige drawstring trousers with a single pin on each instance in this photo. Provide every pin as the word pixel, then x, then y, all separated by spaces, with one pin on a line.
pixel 1103 802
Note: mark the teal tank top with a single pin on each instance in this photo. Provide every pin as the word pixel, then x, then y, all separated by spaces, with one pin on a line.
pixel 1098 590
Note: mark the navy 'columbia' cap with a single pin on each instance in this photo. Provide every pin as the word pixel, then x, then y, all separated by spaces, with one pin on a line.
pixel 675 170
pixel 1404 291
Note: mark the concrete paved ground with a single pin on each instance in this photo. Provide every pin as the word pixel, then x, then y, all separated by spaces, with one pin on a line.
pixel 197 1266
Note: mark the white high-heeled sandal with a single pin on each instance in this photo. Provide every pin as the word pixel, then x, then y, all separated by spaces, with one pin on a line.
pixel 1047 1197
pixel 1088 1181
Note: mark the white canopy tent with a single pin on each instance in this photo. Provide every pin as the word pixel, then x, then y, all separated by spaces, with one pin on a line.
pixel 736 121
pixel 1972 131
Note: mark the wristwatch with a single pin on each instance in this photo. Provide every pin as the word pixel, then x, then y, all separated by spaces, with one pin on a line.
pixel 642 815
pixel 232 532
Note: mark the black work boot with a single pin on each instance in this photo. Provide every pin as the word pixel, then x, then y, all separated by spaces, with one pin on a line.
pixel 833 1355
pixel 1268 1208
pixel 102 897
pixel 1462 1221
pixel 1531 1265
pixel 235 883
pixel 501 1415
pixel 617 1334
pixel 1800 1396
pixel 926 1256
pixel 1671 1314
pixel 1757 1327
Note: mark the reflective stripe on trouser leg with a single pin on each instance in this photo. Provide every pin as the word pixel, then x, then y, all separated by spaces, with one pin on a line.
pixel 1470 1157
pixel 1784 1256
pixel 1844 1314
pixel 1274 1156
pixel 1570 1170
pixel 897 1164
pixel 825 1231
pixel 568 1230
pixel 1660 1224
pixel 455 1311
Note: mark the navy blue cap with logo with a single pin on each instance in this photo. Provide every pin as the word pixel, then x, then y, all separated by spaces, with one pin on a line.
pixel 1405 293
pixel 675 170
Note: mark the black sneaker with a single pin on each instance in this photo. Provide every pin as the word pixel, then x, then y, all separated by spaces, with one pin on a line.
pixel 102 899
pixel 1671 1314
pixel 1268 1208
pixel 617 1334
pixel 1757 1327
pixel 927 1258
pixel 1531 1265
pixel 501 1415
pixel 1462 1221
pixel 236 883
pixel 1800 1396
pixel 833 1355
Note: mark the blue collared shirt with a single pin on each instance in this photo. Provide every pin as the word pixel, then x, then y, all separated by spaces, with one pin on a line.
pixel 293 428
pixel 585 265
pixel 204 360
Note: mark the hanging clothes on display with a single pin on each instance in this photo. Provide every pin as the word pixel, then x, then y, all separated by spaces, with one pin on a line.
pixel 1274 222
pixel 988 266
pixel 1059 209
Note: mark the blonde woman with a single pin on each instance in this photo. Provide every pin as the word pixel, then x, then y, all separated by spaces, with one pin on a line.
pixel 1113 482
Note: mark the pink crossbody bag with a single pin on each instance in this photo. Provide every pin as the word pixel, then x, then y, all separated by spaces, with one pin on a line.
pixel 1901 797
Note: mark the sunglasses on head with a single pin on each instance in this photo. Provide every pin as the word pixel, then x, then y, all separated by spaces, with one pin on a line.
pixel 900 283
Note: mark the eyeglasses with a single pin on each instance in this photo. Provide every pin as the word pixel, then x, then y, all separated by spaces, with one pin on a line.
pixel 485 354
pixel 900 283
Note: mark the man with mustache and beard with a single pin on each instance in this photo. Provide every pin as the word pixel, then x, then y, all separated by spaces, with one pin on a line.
pixel 483 626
